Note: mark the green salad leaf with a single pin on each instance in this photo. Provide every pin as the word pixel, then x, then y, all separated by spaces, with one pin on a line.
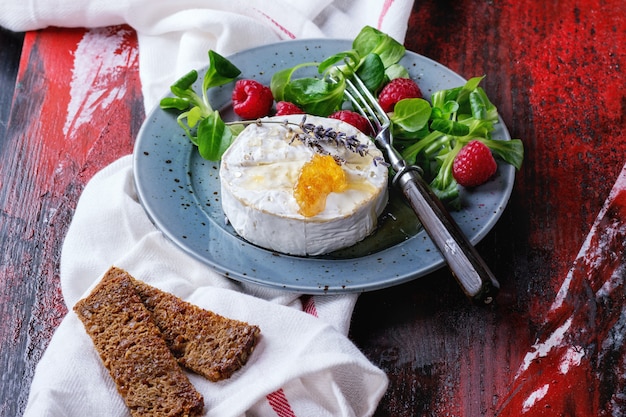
pixel 373 41
pixel 374 57
pixel 315 96
pixel 201 123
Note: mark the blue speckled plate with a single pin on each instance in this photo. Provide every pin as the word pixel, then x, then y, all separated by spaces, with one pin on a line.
pixel 181 194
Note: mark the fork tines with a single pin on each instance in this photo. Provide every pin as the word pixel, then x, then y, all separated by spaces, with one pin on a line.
pixel 365 103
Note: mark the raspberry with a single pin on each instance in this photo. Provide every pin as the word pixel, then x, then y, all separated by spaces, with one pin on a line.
pixel 396 90
pixel 353 118
pixel 252 99
pixel 284 108
pixel 474 164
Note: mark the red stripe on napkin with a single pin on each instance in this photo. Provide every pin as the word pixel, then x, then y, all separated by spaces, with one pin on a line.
pixel 279 403
pixel 308 305
pixel 277 399
pixel 383 12
pixel 278 25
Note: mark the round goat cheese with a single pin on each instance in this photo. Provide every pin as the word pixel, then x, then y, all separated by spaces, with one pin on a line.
pixel 258 173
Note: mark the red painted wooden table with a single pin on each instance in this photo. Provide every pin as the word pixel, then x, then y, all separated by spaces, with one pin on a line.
pixel 553 342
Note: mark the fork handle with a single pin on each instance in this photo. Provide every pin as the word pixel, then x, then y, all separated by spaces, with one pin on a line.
pixel 466 264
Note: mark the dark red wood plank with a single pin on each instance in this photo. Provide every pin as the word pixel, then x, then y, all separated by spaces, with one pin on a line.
pixel 50 151
pixel 575 367
pixel 555 70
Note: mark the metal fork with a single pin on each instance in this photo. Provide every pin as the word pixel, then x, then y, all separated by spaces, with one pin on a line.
pixel 464 261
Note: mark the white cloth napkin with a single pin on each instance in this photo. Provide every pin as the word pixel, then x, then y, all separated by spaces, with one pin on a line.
pixel 304 365
pixel 174 36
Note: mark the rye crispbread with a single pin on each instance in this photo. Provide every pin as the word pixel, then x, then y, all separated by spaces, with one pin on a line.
pixel 204 342
pixel 133 350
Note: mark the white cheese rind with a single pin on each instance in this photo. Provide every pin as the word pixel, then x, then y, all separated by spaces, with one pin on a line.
pixel 258 173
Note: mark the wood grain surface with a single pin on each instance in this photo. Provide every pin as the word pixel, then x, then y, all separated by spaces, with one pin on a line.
pixel 551 344
pixel 47 157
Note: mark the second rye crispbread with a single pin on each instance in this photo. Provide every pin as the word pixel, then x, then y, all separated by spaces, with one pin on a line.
pixel 204 342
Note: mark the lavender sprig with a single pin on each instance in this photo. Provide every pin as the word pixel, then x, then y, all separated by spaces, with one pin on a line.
pixel 316 136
